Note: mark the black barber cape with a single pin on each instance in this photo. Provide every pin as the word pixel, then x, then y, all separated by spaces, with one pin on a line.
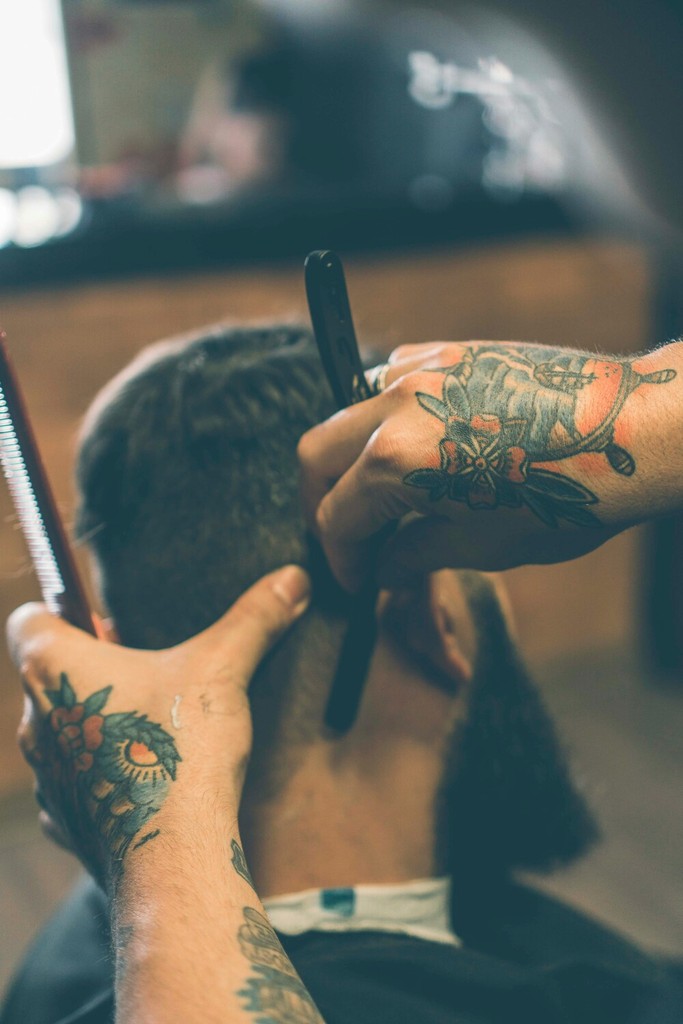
pixel 527 960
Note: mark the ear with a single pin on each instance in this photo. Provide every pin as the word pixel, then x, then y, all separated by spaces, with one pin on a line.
pixel 432 625
pixel 453 625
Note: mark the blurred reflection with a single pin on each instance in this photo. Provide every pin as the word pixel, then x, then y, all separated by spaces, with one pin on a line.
pixel 248 100
pixel 238 129
pixel 530 149
pixel 398 123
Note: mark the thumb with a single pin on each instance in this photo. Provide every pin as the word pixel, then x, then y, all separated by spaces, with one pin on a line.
pixel 243 636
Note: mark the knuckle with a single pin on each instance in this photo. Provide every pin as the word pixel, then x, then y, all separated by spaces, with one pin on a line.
pixel 402 352
pixel 384 452
pixel 405 388
pixel 427 351
pixel 307 447
pixel 331 526
pixel 440 354
pixel 324 516
pixel 445 351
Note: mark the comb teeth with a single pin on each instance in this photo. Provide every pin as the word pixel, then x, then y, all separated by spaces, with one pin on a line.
pixel 28 510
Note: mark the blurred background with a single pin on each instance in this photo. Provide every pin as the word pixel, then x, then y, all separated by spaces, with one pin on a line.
pixel 499 170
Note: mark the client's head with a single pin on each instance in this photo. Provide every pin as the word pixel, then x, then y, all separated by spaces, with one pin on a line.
pixel 188 483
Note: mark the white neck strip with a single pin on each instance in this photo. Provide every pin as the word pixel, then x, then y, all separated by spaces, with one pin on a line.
pixel 419 908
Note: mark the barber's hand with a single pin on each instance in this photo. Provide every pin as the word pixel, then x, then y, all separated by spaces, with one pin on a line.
pixel 123 742
pixel 497 453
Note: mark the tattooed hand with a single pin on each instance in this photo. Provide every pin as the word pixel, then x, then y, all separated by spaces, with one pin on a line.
pixel 509 453
pixel 119 740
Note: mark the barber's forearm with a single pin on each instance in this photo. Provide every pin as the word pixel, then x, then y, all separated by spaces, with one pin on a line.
pixel 649 427
pixel 191 939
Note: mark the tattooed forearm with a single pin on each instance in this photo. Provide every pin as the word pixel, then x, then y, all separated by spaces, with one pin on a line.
pixel 239 863
pixel 275 993
pixel 509 411
pixel 116 766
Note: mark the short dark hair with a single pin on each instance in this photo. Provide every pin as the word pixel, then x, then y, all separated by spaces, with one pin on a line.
pixel 192 466
pixel 188 480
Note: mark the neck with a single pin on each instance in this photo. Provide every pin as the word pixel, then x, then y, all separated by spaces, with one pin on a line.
pixel 360 809
pixel 344 821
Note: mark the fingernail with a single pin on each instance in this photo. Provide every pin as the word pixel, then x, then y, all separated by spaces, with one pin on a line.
pixel 293 587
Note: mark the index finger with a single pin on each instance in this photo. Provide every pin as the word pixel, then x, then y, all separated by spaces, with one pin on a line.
pixel 37 639
pixel 328 450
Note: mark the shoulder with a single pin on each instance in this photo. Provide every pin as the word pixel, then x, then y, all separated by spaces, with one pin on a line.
pixel 67 973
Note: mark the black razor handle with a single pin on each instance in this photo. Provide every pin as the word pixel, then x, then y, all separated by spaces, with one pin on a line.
pixel 328 302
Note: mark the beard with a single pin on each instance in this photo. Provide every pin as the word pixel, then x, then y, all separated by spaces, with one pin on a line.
pixel 507 800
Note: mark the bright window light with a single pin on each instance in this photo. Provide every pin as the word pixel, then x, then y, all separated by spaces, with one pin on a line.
pixel 36 123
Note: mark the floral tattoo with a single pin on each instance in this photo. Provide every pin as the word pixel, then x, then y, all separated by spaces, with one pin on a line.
pixel 508 411
pixel 117 768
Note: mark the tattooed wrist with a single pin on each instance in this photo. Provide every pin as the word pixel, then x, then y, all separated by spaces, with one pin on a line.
pixel 514 419
pixel 107 774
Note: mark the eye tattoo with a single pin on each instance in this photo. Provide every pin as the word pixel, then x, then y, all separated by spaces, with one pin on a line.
pixel 505 413
pixel 119 767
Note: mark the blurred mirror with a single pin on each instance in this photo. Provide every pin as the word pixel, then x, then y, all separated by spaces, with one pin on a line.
pixel 384 120
pixel 209 101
